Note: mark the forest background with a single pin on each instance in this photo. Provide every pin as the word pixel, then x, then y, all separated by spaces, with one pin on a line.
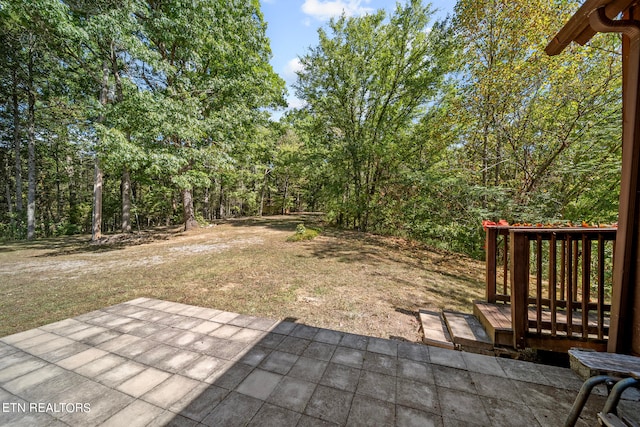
pixel 120 115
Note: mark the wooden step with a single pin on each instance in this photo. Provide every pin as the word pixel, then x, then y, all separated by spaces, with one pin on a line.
pixel 435 330
pixel 467 332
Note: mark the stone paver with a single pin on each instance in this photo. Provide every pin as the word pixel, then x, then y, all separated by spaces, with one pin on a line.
pixel 160 363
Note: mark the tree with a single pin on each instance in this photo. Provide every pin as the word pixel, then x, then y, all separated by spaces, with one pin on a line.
pixel 367 81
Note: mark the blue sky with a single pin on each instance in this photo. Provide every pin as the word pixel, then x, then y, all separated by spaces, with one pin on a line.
pixel 292 28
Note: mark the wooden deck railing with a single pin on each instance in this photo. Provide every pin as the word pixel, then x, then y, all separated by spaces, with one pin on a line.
pixel 558 280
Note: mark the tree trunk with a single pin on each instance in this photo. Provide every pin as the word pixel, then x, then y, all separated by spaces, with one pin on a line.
pixel 16 143
pixel 206 208
pixel 31 161
pixel 188 211
pixel 126 201
pixel 96 226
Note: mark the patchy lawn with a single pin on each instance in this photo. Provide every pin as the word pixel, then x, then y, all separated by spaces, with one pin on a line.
pixel 343 280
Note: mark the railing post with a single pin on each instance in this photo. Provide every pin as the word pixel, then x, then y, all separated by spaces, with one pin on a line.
pixel 519 287
pixel 491 247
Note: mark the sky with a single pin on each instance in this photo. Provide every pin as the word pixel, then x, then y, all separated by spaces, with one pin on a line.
pixel 292 29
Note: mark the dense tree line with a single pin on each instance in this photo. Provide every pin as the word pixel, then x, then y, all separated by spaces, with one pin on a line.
pixel 124 114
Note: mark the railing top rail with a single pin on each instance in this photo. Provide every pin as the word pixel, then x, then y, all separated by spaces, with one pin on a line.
pixel 506 229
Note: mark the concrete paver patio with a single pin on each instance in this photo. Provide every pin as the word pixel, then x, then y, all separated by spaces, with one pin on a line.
pixel 149 362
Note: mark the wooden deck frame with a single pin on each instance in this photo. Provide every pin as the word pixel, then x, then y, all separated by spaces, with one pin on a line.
pixel 597 16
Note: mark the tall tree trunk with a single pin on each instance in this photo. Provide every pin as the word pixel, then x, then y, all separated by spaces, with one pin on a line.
pixel 206 208
pixel 31 161
pixel 126 201
pixel 96 226
pixel 16 142
pixel 188 211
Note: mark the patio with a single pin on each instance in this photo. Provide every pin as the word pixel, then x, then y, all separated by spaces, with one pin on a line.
pixel 153 362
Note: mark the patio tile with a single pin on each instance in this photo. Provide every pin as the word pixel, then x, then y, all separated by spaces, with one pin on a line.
pixel 453 378
pixel 506 414
pixel 206 327
pixel 319 350
pixel 42 391
pixel 377 385
pixel 224 317
pixel 122 309
pixel 137 414
pixel 64 327
pixel 272 340
pixel 187 323
pixel 19 384
pixel 259 384
pixel 170 391
pixel 262 324
pixel 103 403
pixel 540 395
pixel 147 329
pixel 294 345
pixel 522 371
pixel 229 377
pixel 255 356
pixel 100 365
pixel 21 336
pixel 141 383
pixel 242 320
pixel 230 350
pixel 367 411
pixel 328 336
pixel 308 369
pixel 50 346
pixel 100 337
pixel 348 356
pixel 35 341
pixel 495 387
pixel 341 377
pixel 6 349
pixel 121 341
pixel 119 374
pixel 248 335
pixel 199 402
pixel 64 352
pixel 191 311
pixel 132 351
pixel 304 331
pixel 462 406
pixel 86 333
pixel 329 404
pixel 379 345
pixel 18 418
pixel 28 364
pixel 225 331
pixel 377 362
pixel 274 416
pixel 284 328
pixel 88 316
pixel 177 361
pixel 413 351
pixel 418 371
pixel 279 362
pixel 410 417
pixel 183 338
pixel 235 410
pixel 81 358
pixel 203 367
pixel 417 395
pixel 445 357
pixel 359 342
pixel 292 393
pixel 165 334
pixel 156 354
pixel 205 343
pixel 307 421
pixel 15 357
pixel 483 364
pixel 150 315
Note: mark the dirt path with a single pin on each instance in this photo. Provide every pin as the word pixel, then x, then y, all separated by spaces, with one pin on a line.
pixel 344 280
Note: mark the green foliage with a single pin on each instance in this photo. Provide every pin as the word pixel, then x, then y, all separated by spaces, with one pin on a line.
pixel 303 233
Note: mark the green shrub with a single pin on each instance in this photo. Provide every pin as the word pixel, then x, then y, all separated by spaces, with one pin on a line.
pixel 303 233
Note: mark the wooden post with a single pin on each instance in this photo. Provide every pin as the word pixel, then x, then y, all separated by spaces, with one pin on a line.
pixel 519 287
pixel 491 250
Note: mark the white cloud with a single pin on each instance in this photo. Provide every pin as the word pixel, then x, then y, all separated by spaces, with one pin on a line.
pixel 323 10
pixel 295 102
pixel 291 68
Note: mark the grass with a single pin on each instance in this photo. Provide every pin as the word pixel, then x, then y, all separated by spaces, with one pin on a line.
pixel 344 280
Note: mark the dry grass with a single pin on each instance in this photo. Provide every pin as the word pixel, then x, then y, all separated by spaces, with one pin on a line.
pixel 343 280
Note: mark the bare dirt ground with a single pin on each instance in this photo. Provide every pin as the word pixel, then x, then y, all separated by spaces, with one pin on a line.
pixel 344 280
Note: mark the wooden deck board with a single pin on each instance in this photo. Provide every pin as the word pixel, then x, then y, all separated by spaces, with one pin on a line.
pixel 497 321
pixel 466 330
